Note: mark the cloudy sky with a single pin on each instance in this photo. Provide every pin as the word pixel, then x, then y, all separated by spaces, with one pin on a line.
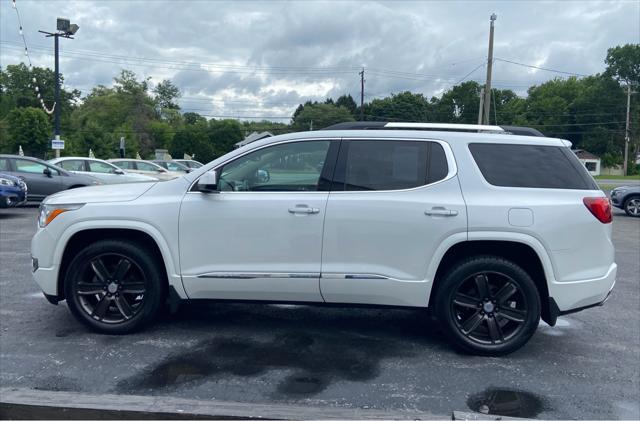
pixel 260 59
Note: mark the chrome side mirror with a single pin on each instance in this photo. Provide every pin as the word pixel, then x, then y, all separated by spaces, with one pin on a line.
pixel 208 183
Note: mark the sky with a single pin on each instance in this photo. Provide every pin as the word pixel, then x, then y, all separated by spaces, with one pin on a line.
pixel 254 60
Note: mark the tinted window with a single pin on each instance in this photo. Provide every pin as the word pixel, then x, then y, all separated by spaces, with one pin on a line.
pixel 533 166
pixel 288 167
pixel 101 167
pixel 4 164
pixel 72 165
pixel 389 164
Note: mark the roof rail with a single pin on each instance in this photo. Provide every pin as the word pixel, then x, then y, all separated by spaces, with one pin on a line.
pixel 382 125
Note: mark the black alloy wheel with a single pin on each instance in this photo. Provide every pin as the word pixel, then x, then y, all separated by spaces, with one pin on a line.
pixel 113 289
pixel 114 286
pixel 487 305
pixel 489 308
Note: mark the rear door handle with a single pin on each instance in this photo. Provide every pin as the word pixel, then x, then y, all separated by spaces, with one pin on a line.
pixel 304 210
pixel 440 211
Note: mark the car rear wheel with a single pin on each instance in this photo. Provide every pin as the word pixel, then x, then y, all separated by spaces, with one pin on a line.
pixel 114 286
pixel 632 206
pixel 487 306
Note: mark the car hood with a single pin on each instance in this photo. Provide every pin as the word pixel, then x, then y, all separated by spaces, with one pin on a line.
pixel 103 193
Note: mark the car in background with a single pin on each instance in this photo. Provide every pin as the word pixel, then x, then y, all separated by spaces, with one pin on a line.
pixel 189 163
pixel 140 166
pixel 172 165
pixel 41 177
pixel 102 170
pixel 13 191
pixel 627 198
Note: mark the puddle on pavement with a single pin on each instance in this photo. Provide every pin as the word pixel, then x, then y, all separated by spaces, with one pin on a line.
pixel 313 362
pixel 506 402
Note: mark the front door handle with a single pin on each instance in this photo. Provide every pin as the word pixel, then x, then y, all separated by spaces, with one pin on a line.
pixel 303 209
pixel 440 211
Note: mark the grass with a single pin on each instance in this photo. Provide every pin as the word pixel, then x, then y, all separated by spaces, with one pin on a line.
pixel 617 177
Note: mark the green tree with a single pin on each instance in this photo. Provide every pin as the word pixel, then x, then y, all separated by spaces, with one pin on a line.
pixel 457 105
pixel 347 102
pixel 623 63
pixel 223 135
pixel 405 106
pixel 322 115
pixel 165 95
pixel 28 127
pixel 192 139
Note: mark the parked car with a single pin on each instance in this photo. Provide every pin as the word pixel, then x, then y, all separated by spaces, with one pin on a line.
pixel 140 166
pixel 189 163
pixel 172 165
pixel 41 177
pixel 102 170
pixel 489 231
pixel 627 198
pixel 13 191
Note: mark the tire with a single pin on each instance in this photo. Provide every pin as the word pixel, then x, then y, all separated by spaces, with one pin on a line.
pixel 115 286
pixel 632 206
pixel 487 305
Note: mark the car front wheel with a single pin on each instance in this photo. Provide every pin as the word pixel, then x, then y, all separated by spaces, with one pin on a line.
pixel 114 286
pixel 632 206
pixel 487 306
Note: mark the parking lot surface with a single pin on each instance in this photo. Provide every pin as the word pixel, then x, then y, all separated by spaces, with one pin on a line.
pixel 588 366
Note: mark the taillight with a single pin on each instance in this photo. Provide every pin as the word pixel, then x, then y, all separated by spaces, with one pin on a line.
pixel 600 207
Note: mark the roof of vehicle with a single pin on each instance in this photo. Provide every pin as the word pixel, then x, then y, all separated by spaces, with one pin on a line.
pixel 63 158
pixel 388 125
pixel 21 157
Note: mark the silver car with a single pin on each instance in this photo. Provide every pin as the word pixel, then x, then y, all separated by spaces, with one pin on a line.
pixel 140 166
pixel 102 170
pixel 43 178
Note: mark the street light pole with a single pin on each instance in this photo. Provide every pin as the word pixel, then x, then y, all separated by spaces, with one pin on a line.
pixel 65 30
pixel 626 131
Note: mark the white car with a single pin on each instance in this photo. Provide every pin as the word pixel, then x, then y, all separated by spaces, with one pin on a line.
pixel 150 169
pixel 102 170
pixel 489 230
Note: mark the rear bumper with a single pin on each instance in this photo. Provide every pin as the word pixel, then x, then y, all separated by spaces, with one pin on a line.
pixel 570 297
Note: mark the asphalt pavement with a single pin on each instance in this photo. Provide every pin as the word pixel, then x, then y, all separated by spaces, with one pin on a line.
pixel 588 366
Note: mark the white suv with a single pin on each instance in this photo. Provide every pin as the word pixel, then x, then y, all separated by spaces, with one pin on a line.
pixel 491 231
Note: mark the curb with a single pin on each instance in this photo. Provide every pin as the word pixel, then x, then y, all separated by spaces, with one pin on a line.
pixel 17 402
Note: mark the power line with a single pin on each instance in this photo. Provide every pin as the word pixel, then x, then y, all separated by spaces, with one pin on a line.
pixel 540 68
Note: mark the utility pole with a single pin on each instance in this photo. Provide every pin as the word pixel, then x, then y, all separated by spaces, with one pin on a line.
pixel 65 30
pixel 626 130
pixel 362 95
pixel 487 86
pixel 480 106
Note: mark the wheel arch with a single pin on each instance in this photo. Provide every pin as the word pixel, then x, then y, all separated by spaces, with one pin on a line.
pixel 522 252
pixel 76 237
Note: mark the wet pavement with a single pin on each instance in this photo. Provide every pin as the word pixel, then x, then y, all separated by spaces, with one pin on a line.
pixel 588 366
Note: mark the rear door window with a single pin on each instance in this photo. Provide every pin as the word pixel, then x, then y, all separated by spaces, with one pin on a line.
pixel 389 165
pixel 533 166
pixel 72 165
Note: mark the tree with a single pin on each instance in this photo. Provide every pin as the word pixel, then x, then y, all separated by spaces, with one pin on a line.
pixel 223 135
pixel 405 106
pixel 322 115
pixel 193 118
pixel 192 139
pixel 457 105
pixel 347 102
pixel 165 95
pixel 623 63
pixel 28 127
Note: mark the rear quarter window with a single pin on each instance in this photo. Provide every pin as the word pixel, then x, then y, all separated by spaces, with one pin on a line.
pixel 532 166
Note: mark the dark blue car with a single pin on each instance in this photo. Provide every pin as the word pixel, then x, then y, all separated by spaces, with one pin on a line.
pixel 13 191
pixel 627 198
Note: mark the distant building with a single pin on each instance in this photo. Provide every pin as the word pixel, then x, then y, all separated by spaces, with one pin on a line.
pixel 589 160
pixel 252 138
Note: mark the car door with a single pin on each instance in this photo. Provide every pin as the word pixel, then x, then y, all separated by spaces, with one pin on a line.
pixel 33 173
pixel 260 236
pixel 393 201
pixel 104 172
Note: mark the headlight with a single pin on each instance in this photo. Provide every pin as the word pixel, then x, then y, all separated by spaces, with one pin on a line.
pixel 50 212
pixel 7 182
